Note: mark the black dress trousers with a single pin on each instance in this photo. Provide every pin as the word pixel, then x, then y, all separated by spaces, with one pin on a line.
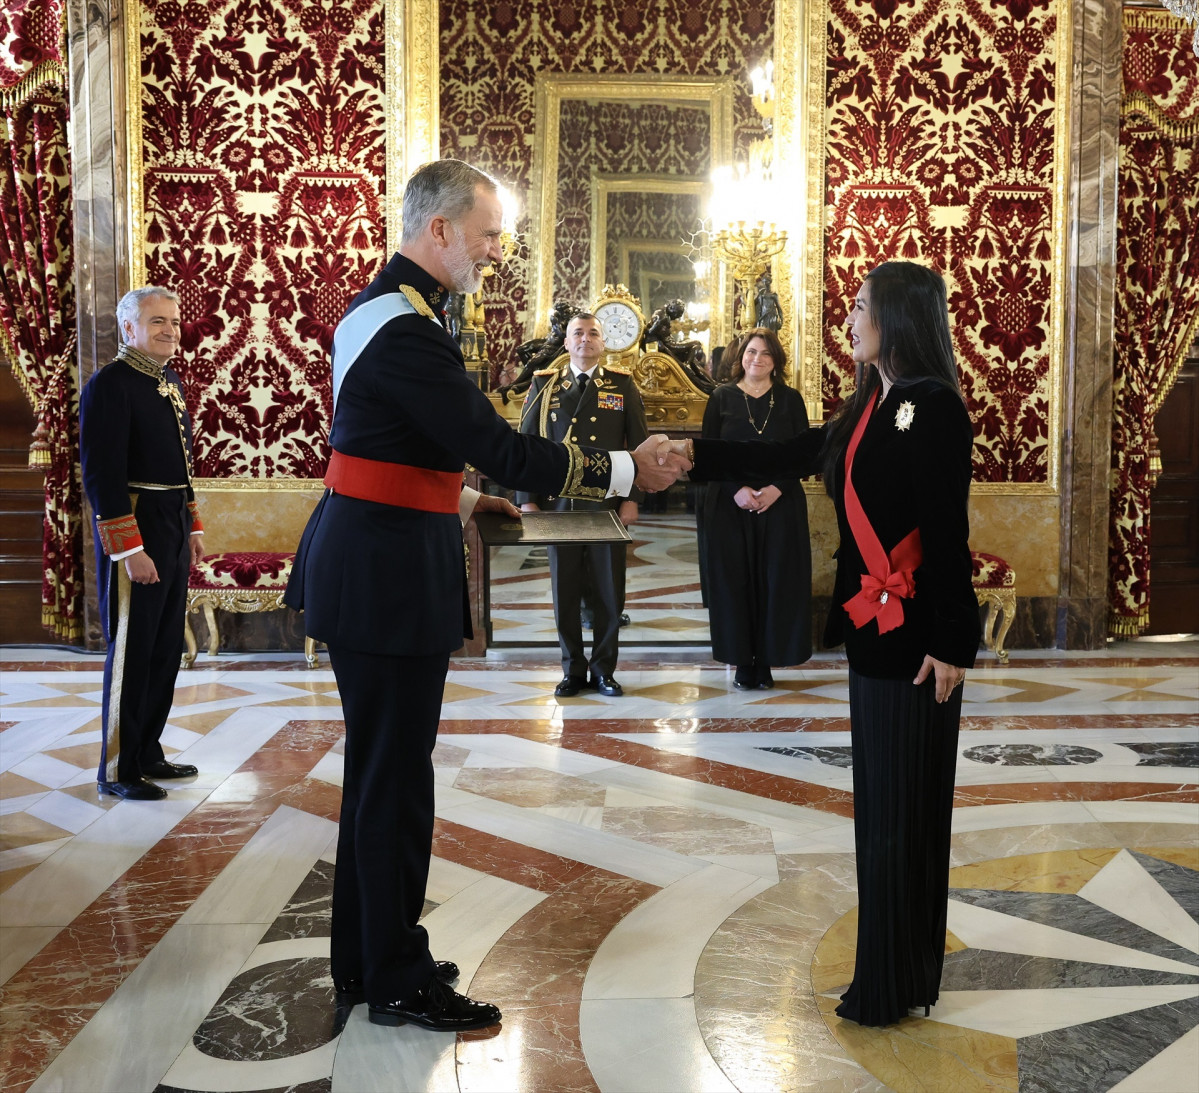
pixel 392 706
pixel 905 747
pixel 143 626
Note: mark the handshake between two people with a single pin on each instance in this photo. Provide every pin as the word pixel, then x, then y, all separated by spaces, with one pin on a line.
pixel 660 462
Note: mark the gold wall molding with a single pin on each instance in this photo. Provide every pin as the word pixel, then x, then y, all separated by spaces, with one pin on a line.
pixel 715 94
pixel 799 130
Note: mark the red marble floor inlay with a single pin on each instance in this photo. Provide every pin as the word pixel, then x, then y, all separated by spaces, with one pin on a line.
pixel 56 993
pixel 1053 790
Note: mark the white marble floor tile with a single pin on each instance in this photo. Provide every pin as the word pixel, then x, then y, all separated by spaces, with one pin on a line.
pixel 30 854
pixel 779 816
pixel 19 945
pixel 1144 812
pixel 532 828
pixel 378 1059
pixel 983 928
pixel 1125 888
pixel 502 750
pixel 65 811
pixel 52 771
pixel 1023 814
pixel 165 998
pixel 447 879
pixel 257 883
pixel 1018 1013
pixel 1175 1068
pixel 641 1044
pixel 653 950
pixel 467 926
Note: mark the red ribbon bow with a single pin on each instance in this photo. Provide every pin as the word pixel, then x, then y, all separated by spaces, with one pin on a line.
pixel 888 580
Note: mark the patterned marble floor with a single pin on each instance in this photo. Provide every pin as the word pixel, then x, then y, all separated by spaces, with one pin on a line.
pixel 658 890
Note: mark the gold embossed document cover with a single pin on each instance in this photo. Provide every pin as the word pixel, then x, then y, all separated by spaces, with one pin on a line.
pixel 600 526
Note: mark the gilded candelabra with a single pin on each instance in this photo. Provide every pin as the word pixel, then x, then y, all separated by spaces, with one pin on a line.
pixel 471 336
pixel 747 246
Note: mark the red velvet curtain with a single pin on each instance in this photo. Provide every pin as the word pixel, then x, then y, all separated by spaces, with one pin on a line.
pixel 1157 287
pixel 37 302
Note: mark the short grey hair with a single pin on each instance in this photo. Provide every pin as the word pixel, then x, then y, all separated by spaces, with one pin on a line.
pixel 130 305
pixel 445 187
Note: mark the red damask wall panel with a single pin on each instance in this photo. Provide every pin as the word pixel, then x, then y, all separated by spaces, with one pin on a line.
pixel 263 160
pixel 490 55
pixel 940 117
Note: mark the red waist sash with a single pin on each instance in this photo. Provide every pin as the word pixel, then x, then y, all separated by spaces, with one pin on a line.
pixel 888 580
pixel 394 483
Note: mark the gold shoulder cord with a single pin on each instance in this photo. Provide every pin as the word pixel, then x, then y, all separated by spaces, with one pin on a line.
pixel 527 406
pixel 419 302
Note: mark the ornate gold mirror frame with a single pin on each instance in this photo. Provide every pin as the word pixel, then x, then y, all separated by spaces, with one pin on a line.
pixel 800 128
pixel 715 95
pixel 604 185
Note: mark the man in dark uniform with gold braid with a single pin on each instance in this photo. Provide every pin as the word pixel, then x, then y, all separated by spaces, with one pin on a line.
pixel 583 400
pixel 379 575
pixel 135 447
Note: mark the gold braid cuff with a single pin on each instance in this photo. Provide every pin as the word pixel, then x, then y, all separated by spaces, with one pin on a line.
pixel 584 466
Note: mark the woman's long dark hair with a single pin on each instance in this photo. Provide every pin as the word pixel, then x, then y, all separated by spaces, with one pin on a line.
pixel 909 307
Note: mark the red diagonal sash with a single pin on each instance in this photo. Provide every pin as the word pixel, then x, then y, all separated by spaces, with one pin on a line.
pixel 888 579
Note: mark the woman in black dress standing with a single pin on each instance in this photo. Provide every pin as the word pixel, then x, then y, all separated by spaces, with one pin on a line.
pixel 754 533
pixel 896 462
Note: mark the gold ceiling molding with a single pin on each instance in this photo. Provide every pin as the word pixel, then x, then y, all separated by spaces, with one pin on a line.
pixel 714 94
pixel 601 186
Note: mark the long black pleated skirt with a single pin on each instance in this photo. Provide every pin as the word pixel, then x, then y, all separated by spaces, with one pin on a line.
pixel 904 757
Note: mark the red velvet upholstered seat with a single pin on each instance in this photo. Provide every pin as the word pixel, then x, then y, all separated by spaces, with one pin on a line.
pixel 995 585
pixel 242 581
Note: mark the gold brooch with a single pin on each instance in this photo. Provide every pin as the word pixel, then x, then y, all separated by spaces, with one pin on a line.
pixel 904 415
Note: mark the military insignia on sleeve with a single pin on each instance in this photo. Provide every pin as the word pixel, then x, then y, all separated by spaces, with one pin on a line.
pixel 611 400
pixel 904 415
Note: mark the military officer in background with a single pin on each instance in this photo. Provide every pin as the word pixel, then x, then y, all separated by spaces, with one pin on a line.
pixel 583 401
pixel 135 447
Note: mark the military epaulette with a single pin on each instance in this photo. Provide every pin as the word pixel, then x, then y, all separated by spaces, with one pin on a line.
pixel 546 372
pixel 617 371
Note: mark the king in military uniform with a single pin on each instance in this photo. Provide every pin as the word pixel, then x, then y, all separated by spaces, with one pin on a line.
pixel 583 400
pixel 380 577
pixel 135 447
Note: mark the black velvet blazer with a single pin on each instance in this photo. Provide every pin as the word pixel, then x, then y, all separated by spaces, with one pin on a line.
pixel 912 470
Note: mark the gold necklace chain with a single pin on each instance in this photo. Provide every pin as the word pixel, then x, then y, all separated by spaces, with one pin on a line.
pixel 750 414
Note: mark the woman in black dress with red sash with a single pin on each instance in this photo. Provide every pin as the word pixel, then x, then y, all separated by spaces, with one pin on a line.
pixel 896 462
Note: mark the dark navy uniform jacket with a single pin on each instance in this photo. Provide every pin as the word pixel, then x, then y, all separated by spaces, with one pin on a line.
pixel 129 433
pixel 390 580
pixel 912 469
pixel 609 413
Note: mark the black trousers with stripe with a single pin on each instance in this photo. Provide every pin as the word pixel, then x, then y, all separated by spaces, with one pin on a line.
pixel 143 626
pixel 392 706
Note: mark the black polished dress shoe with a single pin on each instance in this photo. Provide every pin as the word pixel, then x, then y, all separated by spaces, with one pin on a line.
pixel 607 685
pixel 352 991
pixel 765 680
pixel 133 789
pixel 745 679
pixel 435 1006
pixel 165 769
pixel 570 686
